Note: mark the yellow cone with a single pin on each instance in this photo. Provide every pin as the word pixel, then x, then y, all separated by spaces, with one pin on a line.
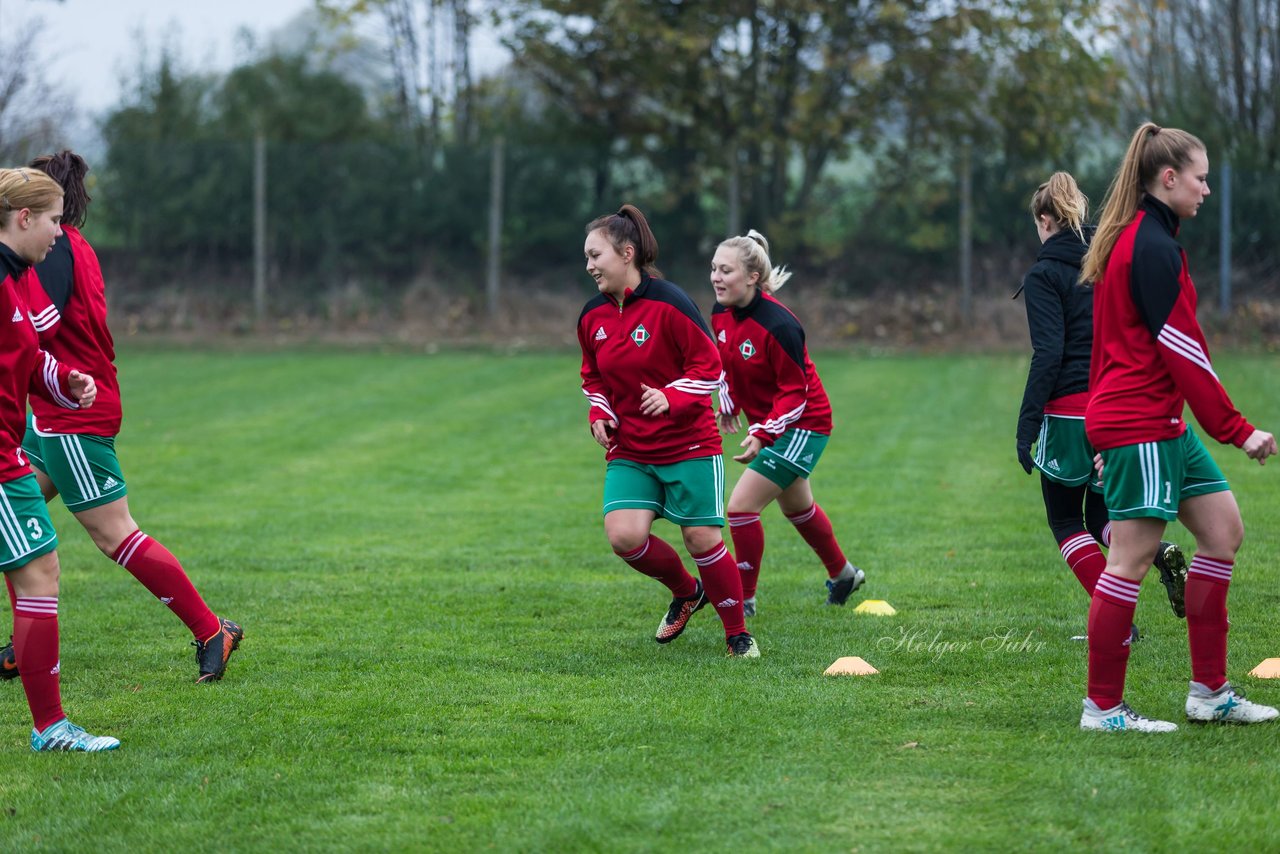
pixel 1268 669
pixel 879 607
pixel 849 665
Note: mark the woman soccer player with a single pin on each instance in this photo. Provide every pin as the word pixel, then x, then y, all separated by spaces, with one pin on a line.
pixel 770 378
pixel 649 367
pixel 1149 358
pixel 1060 319
pixel 30 210
pixel 73 452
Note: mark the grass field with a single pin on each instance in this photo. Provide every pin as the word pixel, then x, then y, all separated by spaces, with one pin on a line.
pixel 443 654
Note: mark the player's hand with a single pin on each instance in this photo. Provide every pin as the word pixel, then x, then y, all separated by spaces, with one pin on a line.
pixel 752 445
pixel 1259 446
pixel 727 423
pixel 1097 464
pixel 85 390
pixel 603 430
pixel 1024 456
pixel 653 401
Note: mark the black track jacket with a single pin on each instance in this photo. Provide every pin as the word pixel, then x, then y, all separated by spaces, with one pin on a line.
pixel 1060 319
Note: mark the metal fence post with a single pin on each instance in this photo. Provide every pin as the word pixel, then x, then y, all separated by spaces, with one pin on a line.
pixel 259 228
pixel 493 285
pixel 966 233
pixel 1224 247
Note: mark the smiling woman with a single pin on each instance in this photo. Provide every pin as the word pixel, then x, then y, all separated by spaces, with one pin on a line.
pixel 649 367
pixel 770 379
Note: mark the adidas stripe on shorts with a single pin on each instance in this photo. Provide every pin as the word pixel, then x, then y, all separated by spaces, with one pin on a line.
pixel 84 468
pixel 793 454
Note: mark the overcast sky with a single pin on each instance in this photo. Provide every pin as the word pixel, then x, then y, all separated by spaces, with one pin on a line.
pixel 92 45
pixel 96 41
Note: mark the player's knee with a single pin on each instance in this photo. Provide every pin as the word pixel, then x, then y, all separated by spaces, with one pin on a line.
pixel 701 540
pixel 625 540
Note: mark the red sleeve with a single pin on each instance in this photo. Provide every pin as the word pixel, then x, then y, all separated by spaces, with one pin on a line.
pixel 1186 355
pixel 49 380
pixel 592 385
pixel 790 395
pixel 701 369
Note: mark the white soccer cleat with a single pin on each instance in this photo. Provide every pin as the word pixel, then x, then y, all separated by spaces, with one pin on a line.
pixel 64 735
pixel 1119 718
pixel 1226 705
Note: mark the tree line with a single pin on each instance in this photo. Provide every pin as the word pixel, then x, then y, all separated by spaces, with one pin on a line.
pixel 843 130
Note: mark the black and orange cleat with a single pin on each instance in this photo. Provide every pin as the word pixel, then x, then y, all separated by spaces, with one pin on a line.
pixel 8 661
pixel 212 654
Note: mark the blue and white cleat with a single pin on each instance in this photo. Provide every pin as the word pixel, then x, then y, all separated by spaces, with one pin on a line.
pixel 1120 718
pixel 64 735
pixel 1226 705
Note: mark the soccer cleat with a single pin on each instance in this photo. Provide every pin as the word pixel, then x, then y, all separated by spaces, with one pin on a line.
pixel 742 646
pixel 8 661
pixel 678 614
pixel 1134 634
pixel 64 735
pixel 1226 705
pixel 840 588
pixel 749 607
pixel 212 655
pixel 1120 718
pixel 1172 566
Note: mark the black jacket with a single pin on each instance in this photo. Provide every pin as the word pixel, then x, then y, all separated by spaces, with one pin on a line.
pixel 1060 319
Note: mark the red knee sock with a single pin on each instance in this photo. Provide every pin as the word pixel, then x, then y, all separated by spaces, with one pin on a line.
pixel 35 643
pixel 1207 581
pixel 815 527
pixel 748 546
pixel 723 583
pixel 1086 560
pixel 657 559
pixel 1110 620
pixel 159 571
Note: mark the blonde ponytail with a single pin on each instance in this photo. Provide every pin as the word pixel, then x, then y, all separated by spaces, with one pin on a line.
pixel 753 253
pixel 1060 199
pixel 1151 149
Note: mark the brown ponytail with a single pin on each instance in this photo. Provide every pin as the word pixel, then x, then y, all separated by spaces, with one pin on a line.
pixel 1151 149
pixel 68 169
pixel 629 227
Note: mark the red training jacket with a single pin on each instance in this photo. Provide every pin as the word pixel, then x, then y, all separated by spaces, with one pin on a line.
pixel 655 337
pixel 768 372
pixel 24 368
pixel 69 306
pixel 1149 355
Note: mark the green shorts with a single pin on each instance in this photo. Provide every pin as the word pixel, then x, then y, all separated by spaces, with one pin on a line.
pixel 1150 479
pixel 84 468
pixel 794 454
pixel 689 493
pixel 25 527
pixel 1063 452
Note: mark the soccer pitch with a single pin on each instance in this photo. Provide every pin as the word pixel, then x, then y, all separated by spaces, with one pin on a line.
pixel 442 653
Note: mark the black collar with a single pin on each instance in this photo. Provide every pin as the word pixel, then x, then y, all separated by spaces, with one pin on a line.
pixel 1162 212
pixel 12 264
pixel 740 312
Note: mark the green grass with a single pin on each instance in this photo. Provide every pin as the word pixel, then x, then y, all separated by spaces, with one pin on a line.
pixel 442 653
